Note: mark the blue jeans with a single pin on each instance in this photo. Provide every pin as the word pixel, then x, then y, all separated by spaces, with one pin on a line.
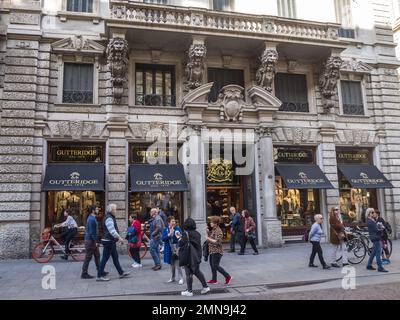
pixel 376 252
pixel 110 249
pixel 155 251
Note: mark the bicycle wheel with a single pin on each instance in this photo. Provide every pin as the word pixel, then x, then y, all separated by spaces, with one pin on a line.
pixel 143 250
pixel 356 251
pixel 389 248
pixel 77 250
pixel 43 252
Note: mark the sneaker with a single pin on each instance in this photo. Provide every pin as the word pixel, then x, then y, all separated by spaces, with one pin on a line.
pixel 102 279
pixel 156 268
pixel 335 265
pixel 180 282
pixel 370 268
pixel 171 280
pixel 312 265
pixel 345 264
pixel 255 253
pixel 136 265
pixel 86 276
pixel 187 293
pixel 228 280
pixel 205 290
pixel 125 274
pixel 382 270
pixel 325 267
pixel 212 282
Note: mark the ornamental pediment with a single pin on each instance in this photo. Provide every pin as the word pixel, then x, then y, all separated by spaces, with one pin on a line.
pixel 354 65
pixel 77 44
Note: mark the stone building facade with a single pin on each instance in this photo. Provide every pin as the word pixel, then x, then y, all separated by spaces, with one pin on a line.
pixel 305 78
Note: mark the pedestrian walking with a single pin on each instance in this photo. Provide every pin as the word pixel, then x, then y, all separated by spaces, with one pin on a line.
pixel 315 239
pixel 386 230
pixel 156 228
pixel 234 224
pixel 91 245
pixel 337 237
pixel 374 231
pixel 190 252
pixel 249 233
pixel 214 237
pixel 109 239
pixel 136 242
pixel 70 233
pixel 170 239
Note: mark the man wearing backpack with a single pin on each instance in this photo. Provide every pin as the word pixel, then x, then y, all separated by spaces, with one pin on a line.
pixel 134 237
pixel 156 228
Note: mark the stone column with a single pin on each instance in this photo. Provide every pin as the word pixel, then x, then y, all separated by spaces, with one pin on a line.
pixel 271 226
pixel 197 187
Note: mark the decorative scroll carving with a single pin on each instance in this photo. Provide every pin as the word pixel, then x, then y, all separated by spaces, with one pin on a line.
pixel 117 58
pixel 264 132
pixel 328 82
pixel 195 66
pixel 266 72
pixel 354 65
pixel 231 102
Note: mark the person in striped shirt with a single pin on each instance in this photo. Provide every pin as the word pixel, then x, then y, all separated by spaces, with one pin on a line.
pixel 69 234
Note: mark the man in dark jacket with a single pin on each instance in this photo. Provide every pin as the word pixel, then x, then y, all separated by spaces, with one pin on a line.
pixel 156 228
pixel 375 237
pixel 235 224
pixel 190 252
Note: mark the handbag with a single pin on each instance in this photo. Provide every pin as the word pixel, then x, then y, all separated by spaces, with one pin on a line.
pixel 251 236
pixel 206 252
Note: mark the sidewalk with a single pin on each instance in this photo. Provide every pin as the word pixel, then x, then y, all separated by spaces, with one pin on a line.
pixel 22 279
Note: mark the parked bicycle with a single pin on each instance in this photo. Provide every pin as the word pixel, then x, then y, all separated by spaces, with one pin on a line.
pixel 48 246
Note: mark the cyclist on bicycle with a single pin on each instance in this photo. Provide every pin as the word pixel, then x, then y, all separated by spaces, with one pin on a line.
pixel 69 234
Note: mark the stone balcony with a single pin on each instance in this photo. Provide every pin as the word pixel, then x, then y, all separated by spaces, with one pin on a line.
pixel 129 14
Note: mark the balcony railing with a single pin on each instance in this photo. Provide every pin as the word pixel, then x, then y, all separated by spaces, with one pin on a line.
pixel 353 109
pixel 155 100
pixel 154 15
pixel 294 107
pixel 77 96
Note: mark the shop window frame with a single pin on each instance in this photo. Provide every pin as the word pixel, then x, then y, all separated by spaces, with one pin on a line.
pixel 352 77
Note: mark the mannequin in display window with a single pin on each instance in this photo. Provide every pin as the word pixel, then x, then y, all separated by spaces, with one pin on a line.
pixel 357 201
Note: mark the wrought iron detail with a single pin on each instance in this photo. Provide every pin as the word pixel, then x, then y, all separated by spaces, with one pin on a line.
pixel 155 100
pixel 353 109
pixel 294 107
pixel 77 96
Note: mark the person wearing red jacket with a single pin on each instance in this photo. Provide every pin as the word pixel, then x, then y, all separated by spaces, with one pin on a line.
pixel 134 248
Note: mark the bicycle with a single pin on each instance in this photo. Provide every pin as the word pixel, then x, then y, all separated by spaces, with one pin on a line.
pixel 48 246
pixel 355 247
pixel 364 235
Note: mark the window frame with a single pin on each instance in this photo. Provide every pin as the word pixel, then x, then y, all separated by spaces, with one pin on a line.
pixel 154 67
pixel 355 78
pixel 230 9
pixel 282 6
pixel 64 14
pixel 350 27
pixel 92 11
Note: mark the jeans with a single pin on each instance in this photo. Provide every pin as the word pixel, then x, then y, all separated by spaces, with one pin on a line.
pixel 67 236
pixel 342 250
pixel 91 249
pixel 215 259
pixel 174 266
pixel 198 274
pixel 244 241
pixel 155 251
pixel 234 238
pixel 316 248
pixel 110 249
pixel 135 253
pixel 376 253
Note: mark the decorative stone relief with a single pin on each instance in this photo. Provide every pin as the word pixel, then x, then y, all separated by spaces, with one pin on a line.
pixel 354 65
pixel 295 135
pixel 231 102
pixel 195 66
pixel 328 82
pixel 117 58
pixel 264 131
pixel 266 71
pixel 76 129
pixel 78 43
pixel 356 137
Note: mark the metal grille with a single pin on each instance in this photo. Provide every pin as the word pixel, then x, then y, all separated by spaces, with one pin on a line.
pixel 155 100
pixel 77 96
pixel 355 109
pixel 294 107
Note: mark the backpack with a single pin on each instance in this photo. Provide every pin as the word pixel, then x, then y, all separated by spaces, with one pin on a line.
pixel 131 235
pixel 388 227
pixel 306 235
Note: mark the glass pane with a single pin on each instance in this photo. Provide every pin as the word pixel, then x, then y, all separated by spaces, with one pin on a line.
pixel 139 82
pixel 168 81
pixel 159 83
pixel 149 82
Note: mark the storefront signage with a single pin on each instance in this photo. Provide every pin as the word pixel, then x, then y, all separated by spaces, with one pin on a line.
pixel 145 154
pixel 365 180
pixel 76 153
pixel 73 181
pixel 303 179
pixel 158 181
pixel 219 171
pixel 358 156
pixel 287 155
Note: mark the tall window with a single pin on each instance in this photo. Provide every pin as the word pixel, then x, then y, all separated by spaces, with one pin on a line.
pixel 80 5
pixel 78 83
pixel 223 5
pixel 155 85
pixel 345 18
pixel 352 97
pixel 291 89
pixel 156 1
pixel 221 78
pixel 287 8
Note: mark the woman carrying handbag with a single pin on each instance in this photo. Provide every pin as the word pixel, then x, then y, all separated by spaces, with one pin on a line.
pixel 337 237
pixel 249 233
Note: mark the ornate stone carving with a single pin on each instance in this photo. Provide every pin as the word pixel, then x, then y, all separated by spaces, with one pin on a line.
pixel 117 58
pixel 77 43
pixel 264 132
pixel 328 82
pixel 266 72
pixel 297 135
pixel 195 66
pixel 231 101
pixel 354 65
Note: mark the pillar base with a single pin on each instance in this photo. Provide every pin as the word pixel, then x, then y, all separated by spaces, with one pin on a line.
pixel 272 233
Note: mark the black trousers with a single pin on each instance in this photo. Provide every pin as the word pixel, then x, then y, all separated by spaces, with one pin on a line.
pixel 316 248
pixel 135 253
pixel 189 277
pixel 234 239
pixel 244 241
pixel 91 250
pixel 67 236
pixel 215 260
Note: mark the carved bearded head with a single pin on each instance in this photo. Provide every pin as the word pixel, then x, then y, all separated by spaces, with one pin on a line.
pixel 197 51
pixel 269 57
pixel 333 65
pixel 117 47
